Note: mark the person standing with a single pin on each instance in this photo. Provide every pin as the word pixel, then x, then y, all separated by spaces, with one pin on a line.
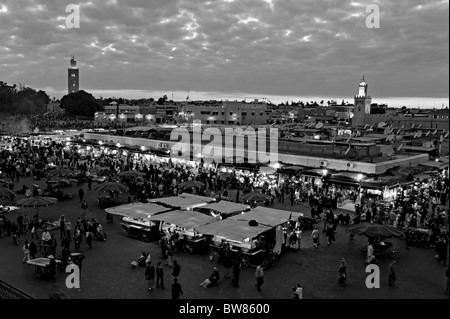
pixel 20 224
pixel 299 291
pixel 62 227
pixel 150 275
pixel 259 274
pixel 315 237
pixel 169 253
pixel 81 194
pixel 236 273
pixel 164 246
pixel 90 183
pixel 26 224
pixel 392 274
pixel 447 272
pixel 52 268
pixel 84 206
pixel 33 250
pixel 294 293
pixel 177 292
pixel 159 276
pixel 26 252
pixel 176 269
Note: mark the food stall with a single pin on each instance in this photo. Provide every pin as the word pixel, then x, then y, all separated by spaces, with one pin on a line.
pixel 224 209
pixel 137 219
pixel 41 268
pixel 380 188
pixel 178 202
pixel 186 224
pixel 244 238
pixel 201 198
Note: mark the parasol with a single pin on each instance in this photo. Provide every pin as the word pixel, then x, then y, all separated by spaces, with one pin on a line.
pixel 375 230
pixel 61 172
pixel 4 192
pixel 256 197
pixel 111 186
pixel 131 174
pixel 37 202
pixel 190 184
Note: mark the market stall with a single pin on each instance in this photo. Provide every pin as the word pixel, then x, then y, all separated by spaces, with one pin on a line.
pixel 178 202
pixel 186 224
pixel 224 209
pixel 245 238
pixel 137 219
pixel 381 188
pixel 198 197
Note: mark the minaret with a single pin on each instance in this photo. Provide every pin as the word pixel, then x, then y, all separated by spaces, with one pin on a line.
pixel 73 76
pixel 362 104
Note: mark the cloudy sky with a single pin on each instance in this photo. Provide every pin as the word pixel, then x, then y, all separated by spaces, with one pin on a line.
pixel 255 47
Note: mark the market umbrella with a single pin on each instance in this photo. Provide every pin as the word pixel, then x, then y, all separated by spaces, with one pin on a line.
pixel 106 172
pixel 131 174
pixel 61 172
pixel 375 230
pixel 37 202
pixel 111 186
pixel 4 192
pixel 190 184
pixel 256 197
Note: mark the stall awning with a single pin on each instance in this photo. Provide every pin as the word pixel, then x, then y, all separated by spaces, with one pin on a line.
pixel 236 230
pixel 434 164
pixel 291 169
pixel 200 198
pixel 225 207
pixel 315 172
pixel 179 202
pixel 185 219
pixel 379 184
pixel 137 210
pixel 267 169
pixel 265 216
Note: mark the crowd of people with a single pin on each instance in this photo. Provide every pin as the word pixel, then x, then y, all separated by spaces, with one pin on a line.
pixel 417 206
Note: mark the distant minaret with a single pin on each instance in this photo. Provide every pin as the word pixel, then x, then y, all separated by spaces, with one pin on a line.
pixel 362 104
pixel 73 76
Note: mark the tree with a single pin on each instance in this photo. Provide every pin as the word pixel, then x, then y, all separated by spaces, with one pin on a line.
pixel 80 103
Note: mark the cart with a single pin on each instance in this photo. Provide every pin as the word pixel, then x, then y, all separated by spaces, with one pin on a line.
pixel 41 269
pixel 193 244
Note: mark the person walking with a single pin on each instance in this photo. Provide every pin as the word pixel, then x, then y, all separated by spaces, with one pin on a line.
pixel 159 276
pixel 392 273
pixel 330 235
pixel 81 194
pixel 177 292
pixel 150 275
pixel 26 252
pixel 259 274
pixel 84 206
pixel 315 237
